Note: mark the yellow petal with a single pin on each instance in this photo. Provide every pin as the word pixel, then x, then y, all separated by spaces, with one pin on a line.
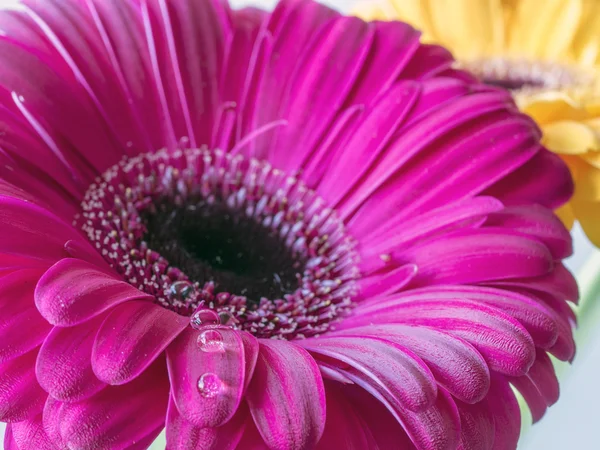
pixel 588 215
pixel 544 29
pixel 587 181
pixel 570 138
pixel 566 215
pixel 586 45
pixel 552 106
pixel 469 28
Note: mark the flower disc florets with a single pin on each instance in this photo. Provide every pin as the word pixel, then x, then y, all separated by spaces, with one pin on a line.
pixel 205 228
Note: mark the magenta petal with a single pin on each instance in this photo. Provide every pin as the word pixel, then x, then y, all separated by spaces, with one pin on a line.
pixel 118 416
pixel 344 428
pixel 184 435
pixel 72 379
pixel 384 427
pixel 537 222
pixel 387 367
pixel 287 397
pixel 133 335
pixel 29 230
pixel 501 340
pixel 507 414
pixel 30 434
pixel 9 441
pixel 479 256
pixel 208 370
pixel 73 291
pixel 476 426
pixel 18 313
pixel 455 364
pixel 530 183
pixel 51 420
pixel 21 397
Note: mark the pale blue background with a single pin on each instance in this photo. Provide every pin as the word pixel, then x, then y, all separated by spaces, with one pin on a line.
pixel 572 423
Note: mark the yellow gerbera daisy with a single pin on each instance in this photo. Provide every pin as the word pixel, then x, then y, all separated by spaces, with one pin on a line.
pixel 547 52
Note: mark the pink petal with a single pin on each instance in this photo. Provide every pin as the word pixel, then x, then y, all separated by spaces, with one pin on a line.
pixel 186 43
pixel 506 412
pixel 479 256
pixel 390 368
pixel 477 427
pixel 73 291
pixel 454 363
pixel 501 340
pixel 325 75
pixel 536 318
pixel 19 313
pixel 9 442
pixel 287 397
pixel 133 335
pixel 393 47
pixel 529 184
pixel 373 131
pixel 208 379
pixel 535 401
pixel 51 422
pixel 184 435
pixel 30 434
pixel 64 367
pixel 117 417
pixel 32 231
pixel 430 165
pixel 344 428
pixel 537 222
pixel 381 425
pixel 392 235
pixel 542 374
pixel 21 397
pixel 380 285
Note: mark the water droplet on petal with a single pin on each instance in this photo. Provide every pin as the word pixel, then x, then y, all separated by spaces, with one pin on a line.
pixel 211 341
pixel 203 317
pixel 210 385
pixel 181 290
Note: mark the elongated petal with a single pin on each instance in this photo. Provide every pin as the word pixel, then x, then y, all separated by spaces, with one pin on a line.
pixel 184 435
pixel 72 379
pixel 208 371
pixel 344 427
pixel 455 364
pixel 118 416
pixel 31 434
pixel 133 335
pixel 387 367
pixel 18 313
pixel 73 291
pixel 21 397
pixel 287 397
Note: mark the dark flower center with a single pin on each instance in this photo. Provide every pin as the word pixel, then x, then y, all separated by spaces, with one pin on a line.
pixel 213 242
pixel 205 229
pixel 526 75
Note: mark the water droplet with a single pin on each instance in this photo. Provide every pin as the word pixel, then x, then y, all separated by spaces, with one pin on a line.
pixel 203 317
pixel 211 341
pixel 226 318
pixel 180 290
pixel 210 385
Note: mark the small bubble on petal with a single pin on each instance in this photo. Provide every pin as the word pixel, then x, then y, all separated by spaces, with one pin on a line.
pixel 210 385
pixel 211 341
pixel 203 317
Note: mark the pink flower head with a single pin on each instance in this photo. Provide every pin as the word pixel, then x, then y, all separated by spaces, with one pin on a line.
pixel 289 231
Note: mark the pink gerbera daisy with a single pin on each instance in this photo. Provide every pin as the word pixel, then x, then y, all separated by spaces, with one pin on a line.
pixel 290 231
